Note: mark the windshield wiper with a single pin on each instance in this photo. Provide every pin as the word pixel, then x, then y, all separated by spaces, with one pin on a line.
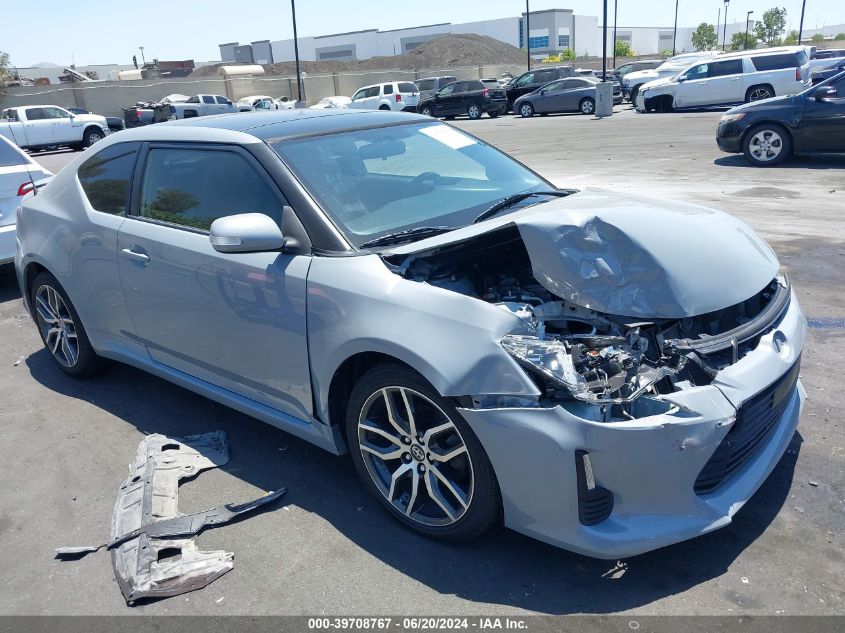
pixel 516 198
pixel 406 235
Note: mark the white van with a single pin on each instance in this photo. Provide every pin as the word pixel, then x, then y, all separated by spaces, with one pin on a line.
pixel 730 79
pixel 394 95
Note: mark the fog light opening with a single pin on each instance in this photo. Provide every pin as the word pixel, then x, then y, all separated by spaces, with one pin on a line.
pixel 594 502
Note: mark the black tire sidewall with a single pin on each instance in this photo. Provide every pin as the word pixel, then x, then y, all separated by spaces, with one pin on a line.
pixel 88 362
pixel 784 154
pixel 485 507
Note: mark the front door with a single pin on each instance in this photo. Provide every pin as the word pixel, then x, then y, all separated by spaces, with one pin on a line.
pixel 39 128
pixel 234 320
pixel 823 127
pixel 443 101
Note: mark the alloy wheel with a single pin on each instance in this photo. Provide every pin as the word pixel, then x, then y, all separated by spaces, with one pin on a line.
pixel 759 93
pixel 57 326
pixel 474 112
pixel 526 110
pixel 765 145
pixel 416 456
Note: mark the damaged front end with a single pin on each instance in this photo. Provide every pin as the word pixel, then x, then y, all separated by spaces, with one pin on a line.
pixel 662 336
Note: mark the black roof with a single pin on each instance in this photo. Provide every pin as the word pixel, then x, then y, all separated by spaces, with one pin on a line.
pixel 282 124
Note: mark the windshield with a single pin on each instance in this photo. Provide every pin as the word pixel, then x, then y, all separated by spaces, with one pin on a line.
pixel 680 63
pixel 378 181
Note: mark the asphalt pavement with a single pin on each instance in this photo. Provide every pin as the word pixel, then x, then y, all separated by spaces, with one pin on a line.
pixel 328 548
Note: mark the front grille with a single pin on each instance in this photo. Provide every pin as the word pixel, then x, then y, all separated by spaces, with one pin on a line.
pixel 755 420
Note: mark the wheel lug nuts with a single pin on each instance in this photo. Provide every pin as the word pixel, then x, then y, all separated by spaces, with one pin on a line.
pixel 406 457
pixel 422 468
pixel 406 440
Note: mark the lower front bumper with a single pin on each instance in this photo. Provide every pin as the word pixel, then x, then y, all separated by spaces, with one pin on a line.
pixel 649 464
pixel 728 138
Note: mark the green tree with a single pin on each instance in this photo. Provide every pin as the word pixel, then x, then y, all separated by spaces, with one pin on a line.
pixel 792 38
pixel 704 37
pixel 567 54
pixel 818 37
pixel 5 73
pixel 840 36
pixel 623 49
pixel 742 40
pixel 771 27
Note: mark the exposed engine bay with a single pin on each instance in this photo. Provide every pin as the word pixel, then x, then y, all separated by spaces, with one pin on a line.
pixel 575 353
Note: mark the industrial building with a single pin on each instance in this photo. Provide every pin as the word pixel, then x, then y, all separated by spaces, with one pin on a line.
pixel 550 31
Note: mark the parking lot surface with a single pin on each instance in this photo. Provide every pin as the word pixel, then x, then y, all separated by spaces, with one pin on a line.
pixel 328 548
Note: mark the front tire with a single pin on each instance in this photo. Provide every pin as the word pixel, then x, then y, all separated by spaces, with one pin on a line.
pixel 526 110
pixel 587 106
pixel 766 144
pixel 91 136
pixel 418 456
pixel 61 329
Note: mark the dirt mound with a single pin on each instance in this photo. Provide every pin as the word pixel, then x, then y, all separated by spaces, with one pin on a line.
pixel 449 51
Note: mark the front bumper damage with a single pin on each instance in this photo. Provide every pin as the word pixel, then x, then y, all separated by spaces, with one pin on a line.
pixel 651 465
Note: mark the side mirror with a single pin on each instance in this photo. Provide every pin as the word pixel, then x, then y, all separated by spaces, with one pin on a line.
pixel 246 233
pixel 682 78
pixel 824 92
pixel 542 92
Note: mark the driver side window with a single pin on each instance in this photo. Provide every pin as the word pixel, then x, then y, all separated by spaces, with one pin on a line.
pixel 526 79
pixel 447 90
pixel 698 72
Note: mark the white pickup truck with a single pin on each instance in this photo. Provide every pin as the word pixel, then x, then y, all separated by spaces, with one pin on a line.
pixel 45 126
pixel 201 105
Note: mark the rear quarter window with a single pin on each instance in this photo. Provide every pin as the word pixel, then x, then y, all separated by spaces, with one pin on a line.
pixel 777 62
pixel 388 89
pixel 106 175
pixel 407 86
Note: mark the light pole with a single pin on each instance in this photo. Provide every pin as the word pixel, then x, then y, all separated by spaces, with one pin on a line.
pixel 675 30
pixel 143 61
pixel 801 24
pixel 527 35
pixel 296 52
pixel 725 30
pixel 615 2
pixel 604 45
pixel 747 20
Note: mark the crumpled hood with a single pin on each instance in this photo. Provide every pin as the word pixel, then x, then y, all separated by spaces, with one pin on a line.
pixel 635 257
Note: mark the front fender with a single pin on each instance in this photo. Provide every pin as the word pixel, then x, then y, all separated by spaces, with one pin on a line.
pixel 355 305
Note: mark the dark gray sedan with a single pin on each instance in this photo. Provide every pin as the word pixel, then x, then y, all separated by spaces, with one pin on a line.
pixel 573 94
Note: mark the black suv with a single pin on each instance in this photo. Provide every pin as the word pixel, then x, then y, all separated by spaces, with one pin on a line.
pixel 472 98
pixel 533 79
pixel 429 85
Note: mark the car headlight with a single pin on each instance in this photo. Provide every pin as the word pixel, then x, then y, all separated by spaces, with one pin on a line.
pixel 732 118
pixel 600 370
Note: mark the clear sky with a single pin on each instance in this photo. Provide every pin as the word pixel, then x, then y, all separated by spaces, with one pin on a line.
pixel 100 32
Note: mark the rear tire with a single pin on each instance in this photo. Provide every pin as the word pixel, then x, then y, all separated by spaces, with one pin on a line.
pixel 766 144
pixel 454 499
pixel 587 105
pixel 61 329
pixel 474 111
pixel 756 93
pixel 526 110
pixel 426 111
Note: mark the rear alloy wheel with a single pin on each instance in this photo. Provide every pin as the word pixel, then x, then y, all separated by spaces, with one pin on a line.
pixel 474 111
pixel 759 92
pixel 526 110
pixel 587 106
pixel 60 327
pixel 426 111
pixel 419 457
pixel 766 145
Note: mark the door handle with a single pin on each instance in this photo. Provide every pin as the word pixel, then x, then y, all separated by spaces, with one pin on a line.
pixel 136 256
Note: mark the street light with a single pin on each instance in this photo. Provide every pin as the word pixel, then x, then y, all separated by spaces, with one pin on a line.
pixel 725 30
pixel 604 44
pixel 801 24
pixel 528 34
pixel 614 32
pixel 675 31
pixel 296 52
pixel 747 20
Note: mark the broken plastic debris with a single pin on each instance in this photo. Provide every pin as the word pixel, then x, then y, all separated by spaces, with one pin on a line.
pixel 151 555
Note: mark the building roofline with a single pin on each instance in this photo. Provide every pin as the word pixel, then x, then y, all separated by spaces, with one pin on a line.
pixel 320 37
pixel 421 26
